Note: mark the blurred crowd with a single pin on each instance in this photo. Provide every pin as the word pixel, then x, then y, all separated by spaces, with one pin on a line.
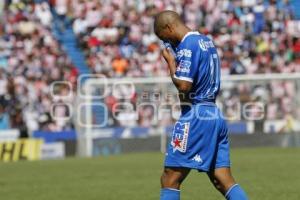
pixel 252 36
pixel 30 61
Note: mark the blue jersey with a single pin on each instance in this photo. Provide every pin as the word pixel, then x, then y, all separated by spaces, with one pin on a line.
pixel 200 137
pixel 198 62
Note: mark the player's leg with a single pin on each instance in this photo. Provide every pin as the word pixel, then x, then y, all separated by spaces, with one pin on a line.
pixel 171 180
pixel 220 173
pixel 223 180
pixel 172 177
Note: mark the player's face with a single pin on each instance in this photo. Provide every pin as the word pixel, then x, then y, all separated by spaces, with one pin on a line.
pixel 167 37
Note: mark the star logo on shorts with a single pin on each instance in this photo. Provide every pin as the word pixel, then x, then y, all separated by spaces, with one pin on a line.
pixel 177 143
pixel 180 136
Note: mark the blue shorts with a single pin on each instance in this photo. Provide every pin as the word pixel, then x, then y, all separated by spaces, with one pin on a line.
pixel 199 140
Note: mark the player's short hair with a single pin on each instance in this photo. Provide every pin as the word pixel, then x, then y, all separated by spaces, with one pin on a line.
pixel 165 18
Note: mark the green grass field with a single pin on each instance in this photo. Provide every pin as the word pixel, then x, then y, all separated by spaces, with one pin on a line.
pixel 265 173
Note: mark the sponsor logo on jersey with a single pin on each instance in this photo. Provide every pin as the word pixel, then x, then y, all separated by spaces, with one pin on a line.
pixel 184 66
pixel 184 53
pixel 180 136
pixel 204 45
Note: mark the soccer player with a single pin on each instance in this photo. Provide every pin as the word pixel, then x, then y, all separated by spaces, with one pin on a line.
pixel 200 138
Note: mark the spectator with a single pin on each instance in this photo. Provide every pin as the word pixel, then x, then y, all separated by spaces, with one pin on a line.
pixel 119 65
pixel 4 118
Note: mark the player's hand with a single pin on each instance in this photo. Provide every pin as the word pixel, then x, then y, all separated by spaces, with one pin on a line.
pixel 168 56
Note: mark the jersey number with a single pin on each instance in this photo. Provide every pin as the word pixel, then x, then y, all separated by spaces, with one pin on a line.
pixel 214 68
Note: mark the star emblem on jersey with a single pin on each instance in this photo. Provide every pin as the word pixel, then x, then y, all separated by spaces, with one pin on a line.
pixel 180 136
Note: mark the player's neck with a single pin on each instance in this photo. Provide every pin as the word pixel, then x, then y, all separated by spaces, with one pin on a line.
pixel 183 30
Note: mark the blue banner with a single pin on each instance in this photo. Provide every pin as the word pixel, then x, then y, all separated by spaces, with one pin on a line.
pixel 49 136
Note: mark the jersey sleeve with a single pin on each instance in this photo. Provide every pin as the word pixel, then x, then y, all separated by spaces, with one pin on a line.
pixel 187 58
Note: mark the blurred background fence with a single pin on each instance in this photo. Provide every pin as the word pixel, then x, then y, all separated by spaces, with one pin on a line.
pixel 130 115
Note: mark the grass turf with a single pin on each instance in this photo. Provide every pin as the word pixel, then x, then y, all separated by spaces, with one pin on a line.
pixel 265 173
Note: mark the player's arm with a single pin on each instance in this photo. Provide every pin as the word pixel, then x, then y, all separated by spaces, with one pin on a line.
pixel 183 86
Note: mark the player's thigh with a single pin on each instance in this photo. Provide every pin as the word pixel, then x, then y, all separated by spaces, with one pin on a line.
pixel 221 178
pixel 174 175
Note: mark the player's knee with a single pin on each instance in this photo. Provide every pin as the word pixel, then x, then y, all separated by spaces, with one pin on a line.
pixel 170 179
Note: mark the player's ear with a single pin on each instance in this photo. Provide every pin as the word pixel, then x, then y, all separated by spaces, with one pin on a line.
pixel 169 28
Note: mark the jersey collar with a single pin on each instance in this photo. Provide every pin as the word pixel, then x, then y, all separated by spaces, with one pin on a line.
pixel 190 33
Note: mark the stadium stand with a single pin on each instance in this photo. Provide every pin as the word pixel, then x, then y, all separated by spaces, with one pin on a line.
pixel 253 37
pixel 38 46
pixel 63 32
pixel 296 6
pixel 30 60
pixel 118 40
